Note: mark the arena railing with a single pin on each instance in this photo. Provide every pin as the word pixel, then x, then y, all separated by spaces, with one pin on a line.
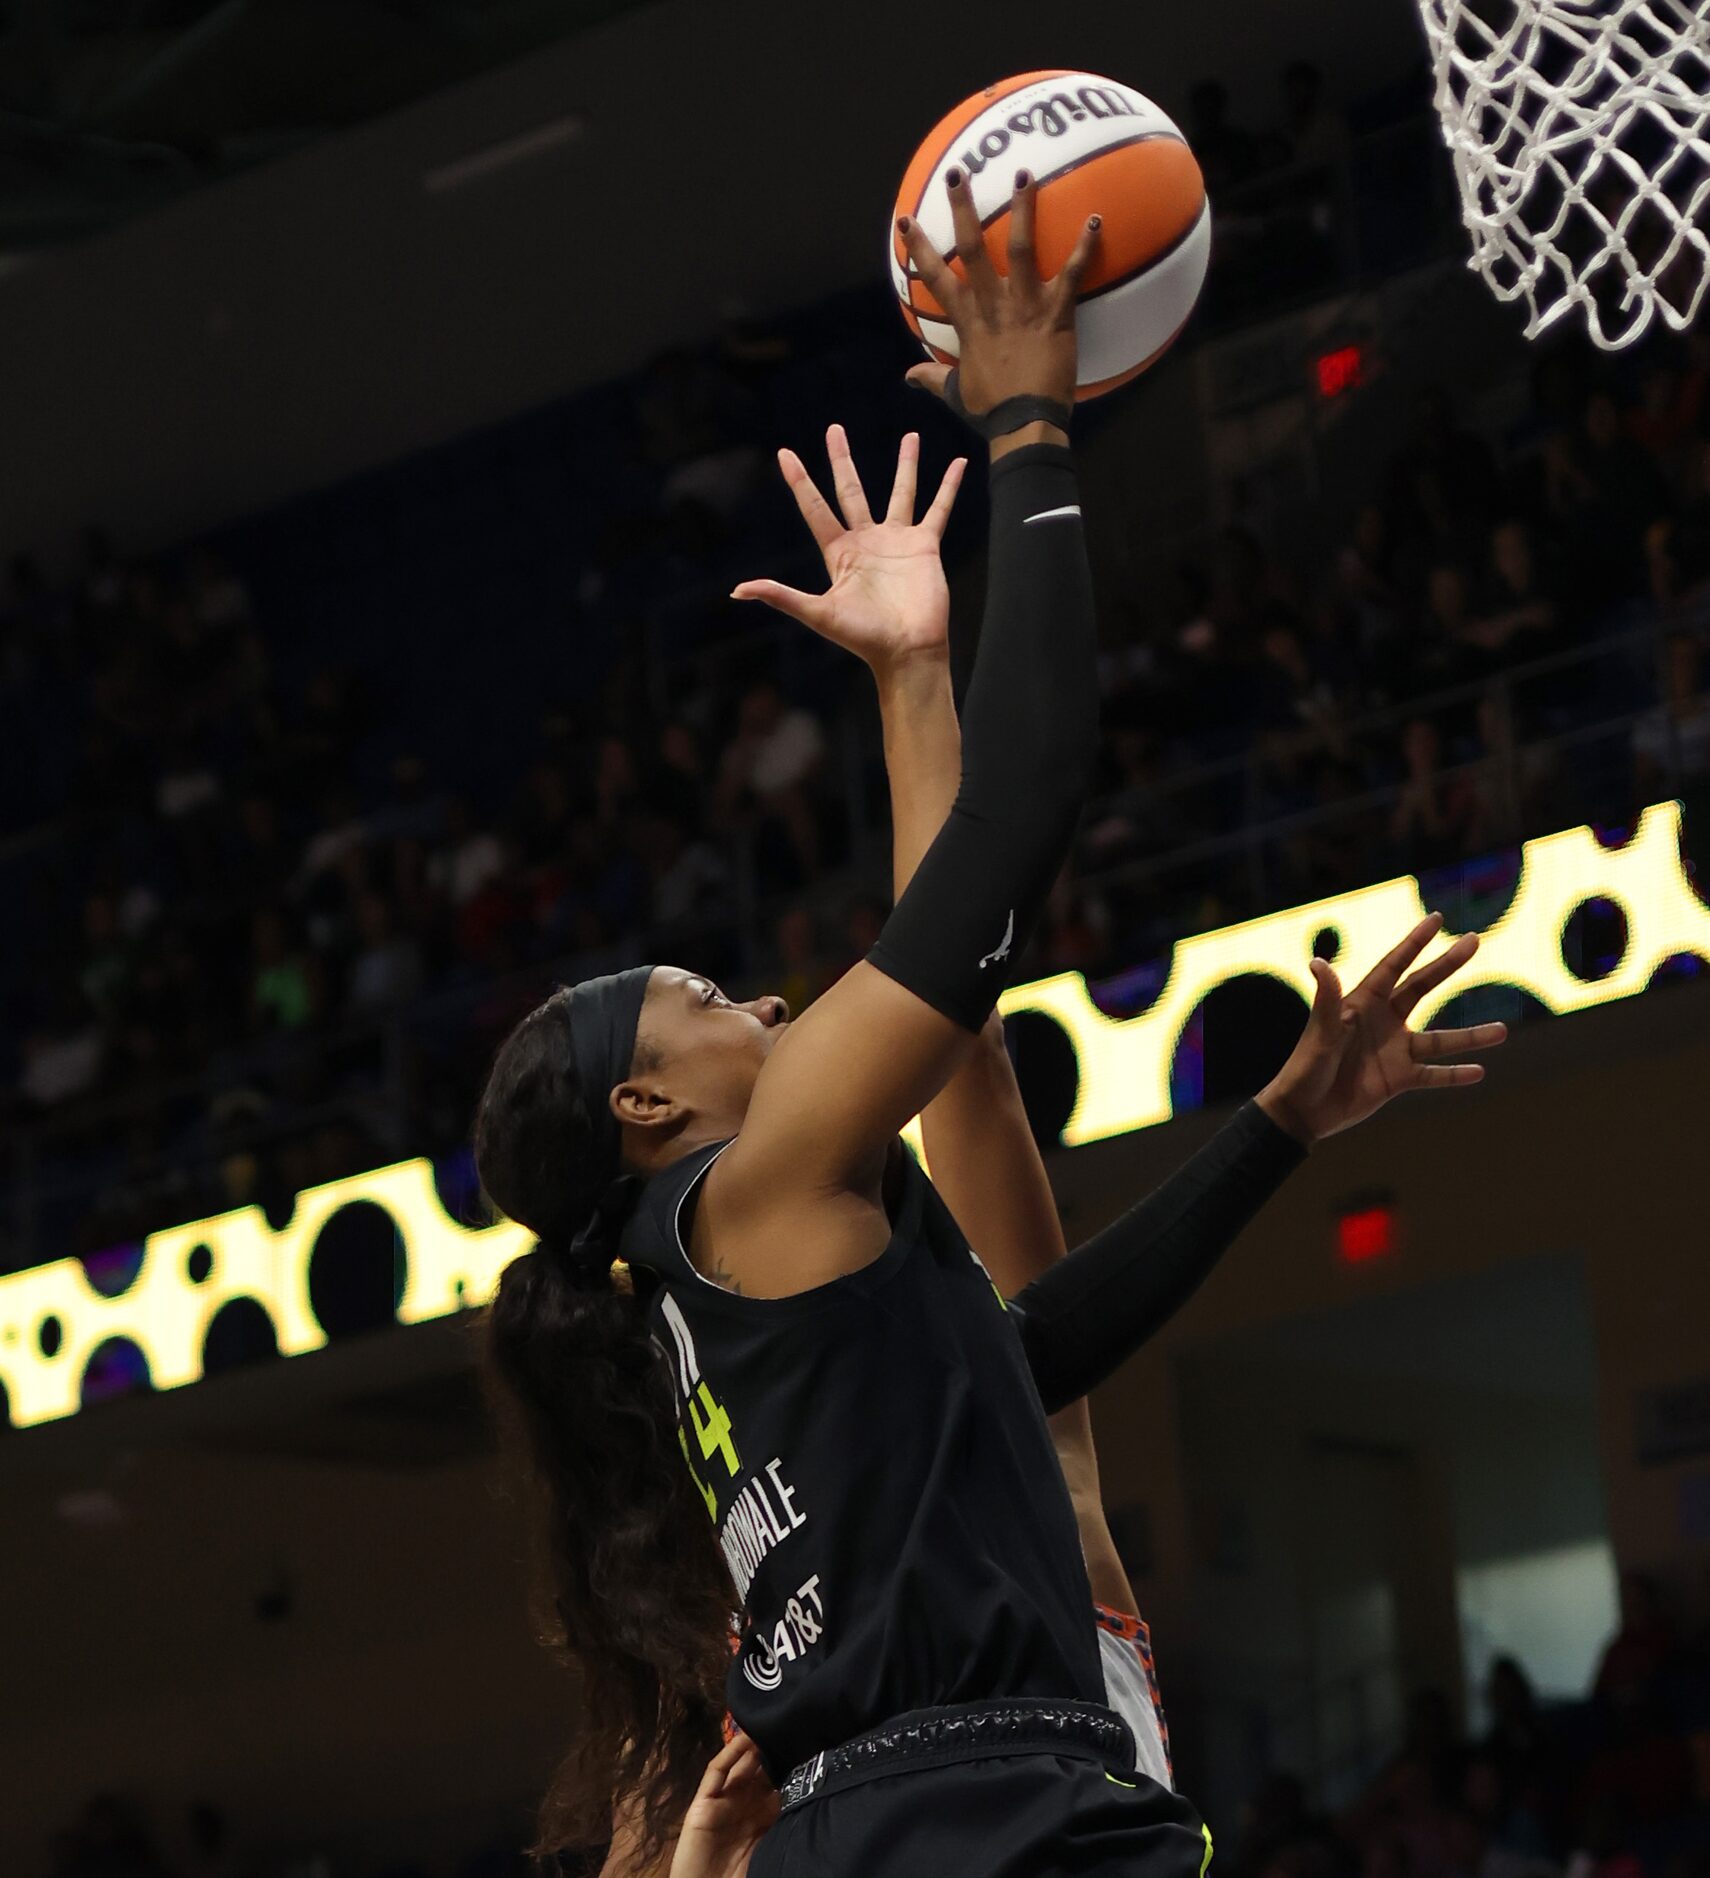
pixel 1619 663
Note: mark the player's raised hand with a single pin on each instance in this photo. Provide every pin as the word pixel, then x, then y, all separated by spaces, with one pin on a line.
pixel 1357 1050
pixel 1016 331
pixel 728 1817
pixel 888 601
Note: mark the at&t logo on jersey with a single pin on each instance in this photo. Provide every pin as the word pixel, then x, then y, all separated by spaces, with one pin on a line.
pixel 764 1653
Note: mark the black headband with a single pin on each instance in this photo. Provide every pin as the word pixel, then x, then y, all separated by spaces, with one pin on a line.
pixel 603 1015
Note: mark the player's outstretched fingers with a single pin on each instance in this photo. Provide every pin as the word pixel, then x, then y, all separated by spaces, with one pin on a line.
pixel 1066 285
pixel 900 508
pixel 815 510
pixel 1023 261
pixel 935 272
pixel 1421 983
pixel 1434 1046
pixel 937 518
pixel 846 479
pixel 809 608
pixel 1326 1012
pixel 970 236
pixel 1447 1075
pixel 1381 980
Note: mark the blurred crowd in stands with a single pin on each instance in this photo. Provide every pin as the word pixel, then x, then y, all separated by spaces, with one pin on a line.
pixel 281 879
pixel 1612 1786
pixel 1488 606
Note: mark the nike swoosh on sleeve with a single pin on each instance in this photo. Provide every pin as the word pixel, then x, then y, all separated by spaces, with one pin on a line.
pixel 1051 515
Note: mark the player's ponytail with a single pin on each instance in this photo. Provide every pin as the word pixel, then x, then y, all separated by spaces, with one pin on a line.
pixel 634 1597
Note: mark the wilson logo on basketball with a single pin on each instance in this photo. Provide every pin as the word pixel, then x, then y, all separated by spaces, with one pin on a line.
pixel 1051 115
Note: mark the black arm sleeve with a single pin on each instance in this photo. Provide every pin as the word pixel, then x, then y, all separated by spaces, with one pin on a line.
pixel 1029 737
pixel 1090 1312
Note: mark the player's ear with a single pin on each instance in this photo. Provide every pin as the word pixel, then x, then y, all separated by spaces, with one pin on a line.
pixel 645 1105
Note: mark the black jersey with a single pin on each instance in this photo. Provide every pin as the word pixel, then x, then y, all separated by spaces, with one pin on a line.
pixel 876 1462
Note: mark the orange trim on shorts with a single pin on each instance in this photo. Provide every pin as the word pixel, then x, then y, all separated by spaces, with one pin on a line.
pixel 728 1726
pixel 1134 1630
pixel 1127 1624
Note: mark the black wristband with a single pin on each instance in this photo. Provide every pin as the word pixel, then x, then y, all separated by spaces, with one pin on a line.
pixel 1011 415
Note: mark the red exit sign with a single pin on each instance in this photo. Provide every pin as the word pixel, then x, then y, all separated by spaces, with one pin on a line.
pixel 1340 370
pixel 1368 1232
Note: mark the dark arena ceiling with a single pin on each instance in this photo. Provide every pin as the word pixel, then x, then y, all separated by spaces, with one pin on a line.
pixel 108 107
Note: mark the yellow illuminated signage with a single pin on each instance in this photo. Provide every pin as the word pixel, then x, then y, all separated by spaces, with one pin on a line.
pixel 1125 1062
pixel 1124 1066
pixel 166 1313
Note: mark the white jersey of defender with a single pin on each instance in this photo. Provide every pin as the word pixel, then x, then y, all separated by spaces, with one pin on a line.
pixel 1127 1690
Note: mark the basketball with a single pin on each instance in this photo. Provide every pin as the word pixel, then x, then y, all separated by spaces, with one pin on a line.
pixel 1094 147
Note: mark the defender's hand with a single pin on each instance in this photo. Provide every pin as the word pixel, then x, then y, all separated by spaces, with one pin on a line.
pixel 888 601
pixel 731 1813
pixel 1017 332
pixel 1357 1051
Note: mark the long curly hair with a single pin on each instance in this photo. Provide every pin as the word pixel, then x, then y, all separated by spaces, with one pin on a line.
pixel 634 1596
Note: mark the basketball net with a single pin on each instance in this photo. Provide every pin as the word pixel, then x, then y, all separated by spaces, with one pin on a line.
pixel 1579 134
